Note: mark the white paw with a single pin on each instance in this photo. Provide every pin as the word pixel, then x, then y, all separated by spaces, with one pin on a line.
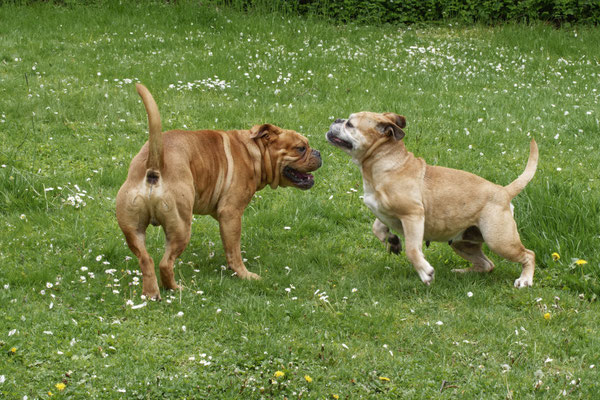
pixel 462 270
pixel 523 282
pixel 427 274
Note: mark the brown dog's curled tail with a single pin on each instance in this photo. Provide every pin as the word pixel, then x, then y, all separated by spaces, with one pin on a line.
pixel 515 187
pixel 154 163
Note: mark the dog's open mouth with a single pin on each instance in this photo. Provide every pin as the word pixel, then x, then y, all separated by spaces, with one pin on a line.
pixel 301 180
pixel 336 141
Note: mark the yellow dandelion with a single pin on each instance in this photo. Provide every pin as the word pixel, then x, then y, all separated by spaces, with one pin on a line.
pixel 308 378
pixel 279 374
pixel 13 350
pixel 547 316
pixel 335 396
pixel 555 256
pixel 384 379
pixel 50 394
pixel 580 262
pixel 60 386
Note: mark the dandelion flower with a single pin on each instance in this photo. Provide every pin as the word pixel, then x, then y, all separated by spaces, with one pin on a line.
pixel 580 262
pixel 555 256
pixel 60 386
pixel 384 379
pixel 13 350
pixel 335 396
pixel 547 316
pixel 279 374
pixel 308 378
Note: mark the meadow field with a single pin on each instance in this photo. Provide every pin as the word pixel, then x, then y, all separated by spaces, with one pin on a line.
pixel 335 316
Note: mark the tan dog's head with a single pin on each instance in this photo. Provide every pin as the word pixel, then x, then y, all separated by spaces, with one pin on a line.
pixel 287 156
pixel 361 131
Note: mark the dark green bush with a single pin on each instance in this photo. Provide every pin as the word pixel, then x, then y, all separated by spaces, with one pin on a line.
pixel 557 12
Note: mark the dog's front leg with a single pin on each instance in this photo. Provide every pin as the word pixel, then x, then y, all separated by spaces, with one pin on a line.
pixel 414 226
pixel 391 241
pixel 230 224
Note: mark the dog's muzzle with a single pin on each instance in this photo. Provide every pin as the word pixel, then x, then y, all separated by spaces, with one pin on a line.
pixel 333 135
pixel 304 180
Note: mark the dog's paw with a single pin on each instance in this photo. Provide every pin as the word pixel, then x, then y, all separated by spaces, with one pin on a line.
pixel 427 275
pixel 152 296
pixel 523 282
pixel 462 270
pixel 151 292
pixel 249 276
pixel 394 244
pixel 173 286
pixel 474 268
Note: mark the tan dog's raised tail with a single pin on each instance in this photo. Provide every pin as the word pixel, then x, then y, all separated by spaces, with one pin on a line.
pixel 431 203
pixel 180 173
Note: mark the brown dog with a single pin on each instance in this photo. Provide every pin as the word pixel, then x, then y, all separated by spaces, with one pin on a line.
pixel 180 173
pixel 430 203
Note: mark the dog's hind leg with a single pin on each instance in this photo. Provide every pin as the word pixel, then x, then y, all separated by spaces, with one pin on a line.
pixel 499 231
pixel 133 218
pixel 472 252
pixel 391 241
pixel 177 235
pixel 136 240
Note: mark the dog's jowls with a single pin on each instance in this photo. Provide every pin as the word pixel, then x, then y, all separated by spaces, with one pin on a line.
pixel 180 173
pixel 431 203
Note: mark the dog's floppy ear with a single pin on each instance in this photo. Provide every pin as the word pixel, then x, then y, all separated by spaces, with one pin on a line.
pixel 264 130
pixel 397 119
pixel 394 127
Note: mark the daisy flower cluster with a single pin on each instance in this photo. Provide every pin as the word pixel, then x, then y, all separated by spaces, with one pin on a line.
pixel 202 84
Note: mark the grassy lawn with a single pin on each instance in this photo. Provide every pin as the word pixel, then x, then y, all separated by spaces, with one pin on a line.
pixel 335 313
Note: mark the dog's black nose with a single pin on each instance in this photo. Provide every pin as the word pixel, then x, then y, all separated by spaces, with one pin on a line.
pixel 339 121
pixel 317 155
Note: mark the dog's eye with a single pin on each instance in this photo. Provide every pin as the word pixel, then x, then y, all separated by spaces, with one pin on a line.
pixel 349 124
pixel 301 149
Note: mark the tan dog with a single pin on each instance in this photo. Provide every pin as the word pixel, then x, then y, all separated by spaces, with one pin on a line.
pixel 430 203
pixel 180 173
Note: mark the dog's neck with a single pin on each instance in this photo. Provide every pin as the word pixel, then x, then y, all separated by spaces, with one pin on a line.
pixel 369 153
pixel 386 150
pixel 265 174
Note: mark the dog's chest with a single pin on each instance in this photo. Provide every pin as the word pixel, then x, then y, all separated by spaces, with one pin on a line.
pixel 373 203
pixel 372 198
pixel 370 201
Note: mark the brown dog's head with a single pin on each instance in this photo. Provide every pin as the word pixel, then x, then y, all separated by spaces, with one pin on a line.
pixel 287 156
pixel 357 134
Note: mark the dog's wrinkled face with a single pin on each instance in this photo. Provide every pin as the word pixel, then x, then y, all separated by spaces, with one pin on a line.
pixel 290 156
pixel 360 131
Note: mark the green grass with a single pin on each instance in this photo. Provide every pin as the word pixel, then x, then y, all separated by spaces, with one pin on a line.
pixel 332 303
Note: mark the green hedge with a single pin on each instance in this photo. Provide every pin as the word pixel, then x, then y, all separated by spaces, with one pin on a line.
pixel 558 12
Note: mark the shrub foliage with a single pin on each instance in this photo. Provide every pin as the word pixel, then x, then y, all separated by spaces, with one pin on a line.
pixel 558 12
